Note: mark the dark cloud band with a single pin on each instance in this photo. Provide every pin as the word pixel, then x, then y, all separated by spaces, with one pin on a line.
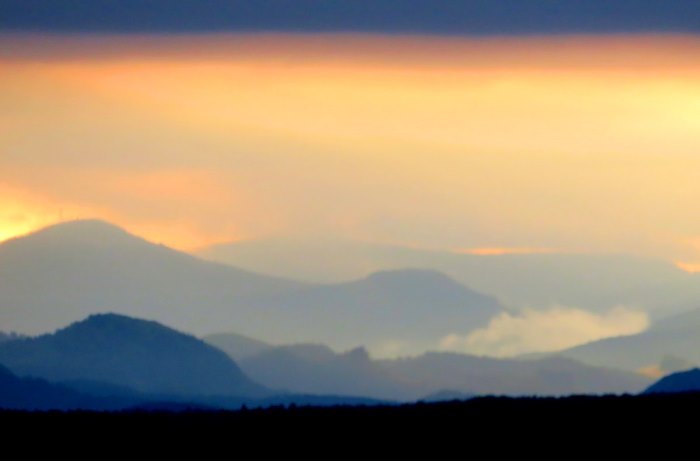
pixel 468 17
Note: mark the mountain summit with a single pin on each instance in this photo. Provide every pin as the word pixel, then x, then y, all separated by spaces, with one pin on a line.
pixel 81 232
pixel 68 271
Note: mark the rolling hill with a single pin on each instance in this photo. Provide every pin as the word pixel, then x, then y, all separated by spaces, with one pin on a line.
pixel 136 354
pixel 314 368
pixel 71 270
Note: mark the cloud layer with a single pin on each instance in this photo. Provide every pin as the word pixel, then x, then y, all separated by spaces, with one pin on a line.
pixel 544 331
pixel 474 17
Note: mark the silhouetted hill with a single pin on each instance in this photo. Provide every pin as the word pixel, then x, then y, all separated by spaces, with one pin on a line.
pixel 683 381
pixel 68 271
pixel 670 343
pixel 628 425
pixel 141 355
pixel 38 394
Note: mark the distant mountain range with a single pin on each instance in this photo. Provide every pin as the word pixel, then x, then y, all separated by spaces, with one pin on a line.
pixel 314 368
pixel 595 282
pixel 110 361
pixel 671 344
pixel 71 270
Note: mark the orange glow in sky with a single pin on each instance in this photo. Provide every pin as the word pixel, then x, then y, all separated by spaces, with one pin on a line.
pixel 688 267
pixel 503 251
pixel 493 145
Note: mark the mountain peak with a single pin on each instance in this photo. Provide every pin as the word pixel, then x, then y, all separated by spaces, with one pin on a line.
pixel 129 352
pixel 92 232
pixel 87 230
pixel 112 321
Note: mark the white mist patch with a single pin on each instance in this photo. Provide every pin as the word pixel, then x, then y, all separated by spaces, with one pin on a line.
pixel 544 331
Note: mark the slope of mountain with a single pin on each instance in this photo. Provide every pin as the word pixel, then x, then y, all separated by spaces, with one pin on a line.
pixel 38 394
pixel 310 369
pixel 4 337
pixel 591 281
pixel 435 371
pixel 415 307
pixel 684 381
pixel 141 355
pixel 71 270
pixel 670 344
pixel 238 347
pixel 317 369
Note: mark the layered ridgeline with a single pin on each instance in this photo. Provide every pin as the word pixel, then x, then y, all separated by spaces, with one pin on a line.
pixel 316 369
pixel 110 361
pixel 671 344
pixel 534 278
pixel 116 352
pixel 69 271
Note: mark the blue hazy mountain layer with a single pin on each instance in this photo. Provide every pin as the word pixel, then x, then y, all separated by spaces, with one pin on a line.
pixel 683 381
pixel 137 354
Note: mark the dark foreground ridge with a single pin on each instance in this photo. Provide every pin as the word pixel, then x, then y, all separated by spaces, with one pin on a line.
pixel 606 418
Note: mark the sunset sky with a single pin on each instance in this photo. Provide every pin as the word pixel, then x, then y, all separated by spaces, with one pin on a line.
pixel 562 143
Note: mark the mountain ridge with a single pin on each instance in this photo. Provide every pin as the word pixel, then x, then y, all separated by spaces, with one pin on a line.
pixel 88 267
pixel 671 339
pixel 137 354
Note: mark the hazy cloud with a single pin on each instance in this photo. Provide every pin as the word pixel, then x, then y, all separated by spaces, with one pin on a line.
pixel 431 142
pixel 541 331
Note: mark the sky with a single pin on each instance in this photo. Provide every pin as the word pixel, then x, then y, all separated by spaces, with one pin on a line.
pixel 478 127
pixel 554 143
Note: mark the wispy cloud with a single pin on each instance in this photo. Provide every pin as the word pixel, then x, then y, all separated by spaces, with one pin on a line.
pixel 549 330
